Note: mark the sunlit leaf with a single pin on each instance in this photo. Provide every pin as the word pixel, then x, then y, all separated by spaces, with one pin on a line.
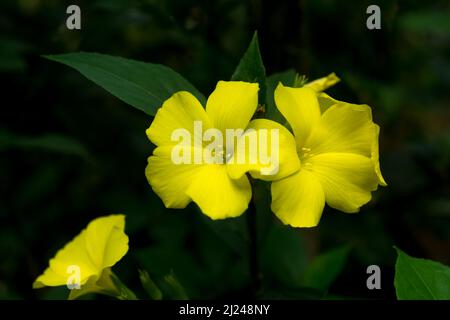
pixel 421 279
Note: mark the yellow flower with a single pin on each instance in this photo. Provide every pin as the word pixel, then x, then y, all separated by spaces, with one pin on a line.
pixel 220 189
pixel 85 262
pixel 323 83
pixel 337 145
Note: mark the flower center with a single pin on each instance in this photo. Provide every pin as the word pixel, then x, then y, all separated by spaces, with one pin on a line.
pixel 220 152
pixel 304 154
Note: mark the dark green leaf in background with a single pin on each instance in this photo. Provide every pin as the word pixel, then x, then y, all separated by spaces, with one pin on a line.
pixel 426 22
pixel 232 231
pixel 12 54
pixel 285 293
pixel 251 68
pixel 287 78
pixel 173 287
pixel 421 279
pixel 163 262
pixel 325 268
pixel 283 256
pixel 53 142
pixel 150 287
pixel 285 264
pixel 264 216
pixel 144 86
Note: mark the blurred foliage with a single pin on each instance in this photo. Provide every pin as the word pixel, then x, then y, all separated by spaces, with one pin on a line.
pixel 71 152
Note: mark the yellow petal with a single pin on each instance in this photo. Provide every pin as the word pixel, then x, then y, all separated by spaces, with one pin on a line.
pixel 217 195
pixel 347 179
pixel 178 112
pixel 298 200
pixel 169 180
pixel 375 157
pixel 232 104
pixel 102 284
pixel 344 128
pixel 106 241
pixel 323 83
pixel 325 101
pixel 273 159
pixel 101 244
pixel 300 108
pixel 71 259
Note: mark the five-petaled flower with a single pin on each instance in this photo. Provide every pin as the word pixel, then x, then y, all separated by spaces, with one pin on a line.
pixel 337 145
pixel 221 190
pixel 91 254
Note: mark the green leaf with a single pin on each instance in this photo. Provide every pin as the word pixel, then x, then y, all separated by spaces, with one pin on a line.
pixel 124 293
pixel 287 78
pixel 232 231
pixel 53 142
pixel 325 268
pixel 174 289
pixel 160 259
pixel 144 86
pixel 283 257
pixel 286 293
pixel 251 68
pixel 108 284
pixel 264 216
pixel 426 22
pixel 150 287
pixel 421 279
pixel 43 181
pixel 12 58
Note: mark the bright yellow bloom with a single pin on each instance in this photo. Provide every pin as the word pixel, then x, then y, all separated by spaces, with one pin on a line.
pixel 323 83
pixel 337 145
pixel 87 260
pixel 221 190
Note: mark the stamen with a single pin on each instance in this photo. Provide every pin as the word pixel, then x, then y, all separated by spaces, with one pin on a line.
pixel 305 153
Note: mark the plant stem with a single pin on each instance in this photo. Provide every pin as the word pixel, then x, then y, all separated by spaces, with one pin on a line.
pixel 253 247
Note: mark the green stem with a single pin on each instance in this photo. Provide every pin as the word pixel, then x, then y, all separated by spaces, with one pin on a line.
pixel 253 252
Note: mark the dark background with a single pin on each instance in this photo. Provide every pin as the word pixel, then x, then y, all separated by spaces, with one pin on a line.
pixel 70 151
